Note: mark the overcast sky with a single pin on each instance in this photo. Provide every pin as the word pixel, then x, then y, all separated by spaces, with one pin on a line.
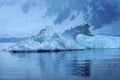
pixel 23 18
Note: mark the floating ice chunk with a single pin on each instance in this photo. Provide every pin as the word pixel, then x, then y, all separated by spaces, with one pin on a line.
pixel 78 37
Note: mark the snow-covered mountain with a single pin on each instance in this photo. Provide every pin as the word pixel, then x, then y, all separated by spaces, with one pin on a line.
pixel 79 37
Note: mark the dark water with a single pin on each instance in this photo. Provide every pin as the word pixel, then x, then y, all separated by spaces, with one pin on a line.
pixel 80 65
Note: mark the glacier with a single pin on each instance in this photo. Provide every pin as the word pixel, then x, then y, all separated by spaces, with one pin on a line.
pixel 78 37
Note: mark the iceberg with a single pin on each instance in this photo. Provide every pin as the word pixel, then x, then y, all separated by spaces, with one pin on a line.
pixel 78 37
pixel 98 41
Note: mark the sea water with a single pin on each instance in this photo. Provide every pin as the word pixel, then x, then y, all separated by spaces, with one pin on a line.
pixel 94 64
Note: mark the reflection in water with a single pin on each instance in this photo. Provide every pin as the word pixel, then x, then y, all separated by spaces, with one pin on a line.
pixel 85 65
pixel 79 69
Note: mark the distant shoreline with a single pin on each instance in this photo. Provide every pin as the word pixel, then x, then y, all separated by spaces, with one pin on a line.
pixel 11 39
